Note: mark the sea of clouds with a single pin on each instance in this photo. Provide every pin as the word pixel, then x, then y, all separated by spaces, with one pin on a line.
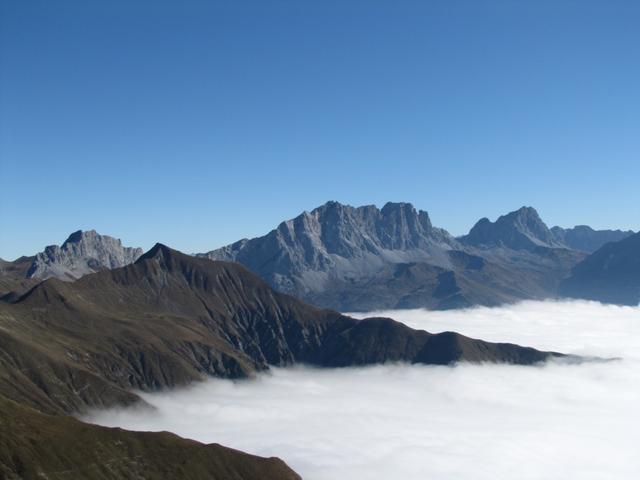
pixel 555 421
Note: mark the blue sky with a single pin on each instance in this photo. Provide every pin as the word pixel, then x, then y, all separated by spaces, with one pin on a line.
pixel 198 123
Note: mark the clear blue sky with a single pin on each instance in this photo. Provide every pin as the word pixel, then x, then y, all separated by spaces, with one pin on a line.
pixel 196 123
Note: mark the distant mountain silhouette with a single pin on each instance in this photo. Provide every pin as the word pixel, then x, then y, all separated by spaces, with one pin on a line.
pixel 611 274
pixel 587 239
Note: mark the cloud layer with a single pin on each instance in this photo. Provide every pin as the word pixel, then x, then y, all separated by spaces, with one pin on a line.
pixel 417 422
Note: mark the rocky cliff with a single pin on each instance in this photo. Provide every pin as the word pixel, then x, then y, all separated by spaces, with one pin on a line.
pixel 82 253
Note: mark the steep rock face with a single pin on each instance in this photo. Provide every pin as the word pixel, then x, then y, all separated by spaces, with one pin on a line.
pixel 611 274
pixel 82 253
pixel 363 259
pixel 337 242
pixel 586 239
pixel 519 230
pixel 171 318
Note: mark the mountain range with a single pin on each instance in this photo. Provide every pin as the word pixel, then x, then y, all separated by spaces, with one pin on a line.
pixel 365 258
pixel 166 320
pixel 86 324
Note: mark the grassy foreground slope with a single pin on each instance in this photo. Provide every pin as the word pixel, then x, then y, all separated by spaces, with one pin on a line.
pixel 34 445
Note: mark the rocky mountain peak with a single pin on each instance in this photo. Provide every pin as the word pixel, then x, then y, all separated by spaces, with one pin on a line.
pixel 337 241
pixel 83 252
pixel 522 229
pixel 586 239
pixel 159 250
pixel 82 236
pixel 528 221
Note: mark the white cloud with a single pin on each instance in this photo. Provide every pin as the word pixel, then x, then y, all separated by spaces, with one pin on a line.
pixel 424 422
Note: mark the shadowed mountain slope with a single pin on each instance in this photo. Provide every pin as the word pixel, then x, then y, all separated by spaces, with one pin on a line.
pixel 171 318
pixel 611 274
pixel 586 239
pixel 35 446
pixel 13 278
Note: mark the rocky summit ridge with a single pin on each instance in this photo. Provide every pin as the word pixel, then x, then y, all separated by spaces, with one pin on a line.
pixel 82 253
pixel 522 229
pixel 366 258
pixel 336 240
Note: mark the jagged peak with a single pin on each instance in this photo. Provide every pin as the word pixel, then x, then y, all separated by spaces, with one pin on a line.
pixel 330 205
pixel 483 221
pixel 520 229
pixel 83 252
pixel 523 213
pixel 80 235
pixel 159 250
pixel 397 206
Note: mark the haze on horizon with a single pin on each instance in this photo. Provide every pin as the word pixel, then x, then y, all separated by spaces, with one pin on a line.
pixel 199 123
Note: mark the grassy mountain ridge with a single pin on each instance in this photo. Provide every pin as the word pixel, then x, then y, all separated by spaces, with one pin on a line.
pixel 34 445
pixel 170 319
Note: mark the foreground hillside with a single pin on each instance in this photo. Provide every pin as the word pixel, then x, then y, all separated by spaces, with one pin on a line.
pixel 167 320
pixel 35 446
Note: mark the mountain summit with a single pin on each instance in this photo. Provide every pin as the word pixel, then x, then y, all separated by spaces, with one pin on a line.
pixel 365 258
pixel 340 242
pixel 519 230
pixel 82 253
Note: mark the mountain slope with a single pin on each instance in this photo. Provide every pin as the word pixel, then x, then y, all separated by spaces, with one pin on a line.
pixel 362 259
pixel 519 230
pixel 56 447
pixel 611 274
pixel 339 242
pixel 82 253
pixel 171 318
pixel 13 278
pixel 586 239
